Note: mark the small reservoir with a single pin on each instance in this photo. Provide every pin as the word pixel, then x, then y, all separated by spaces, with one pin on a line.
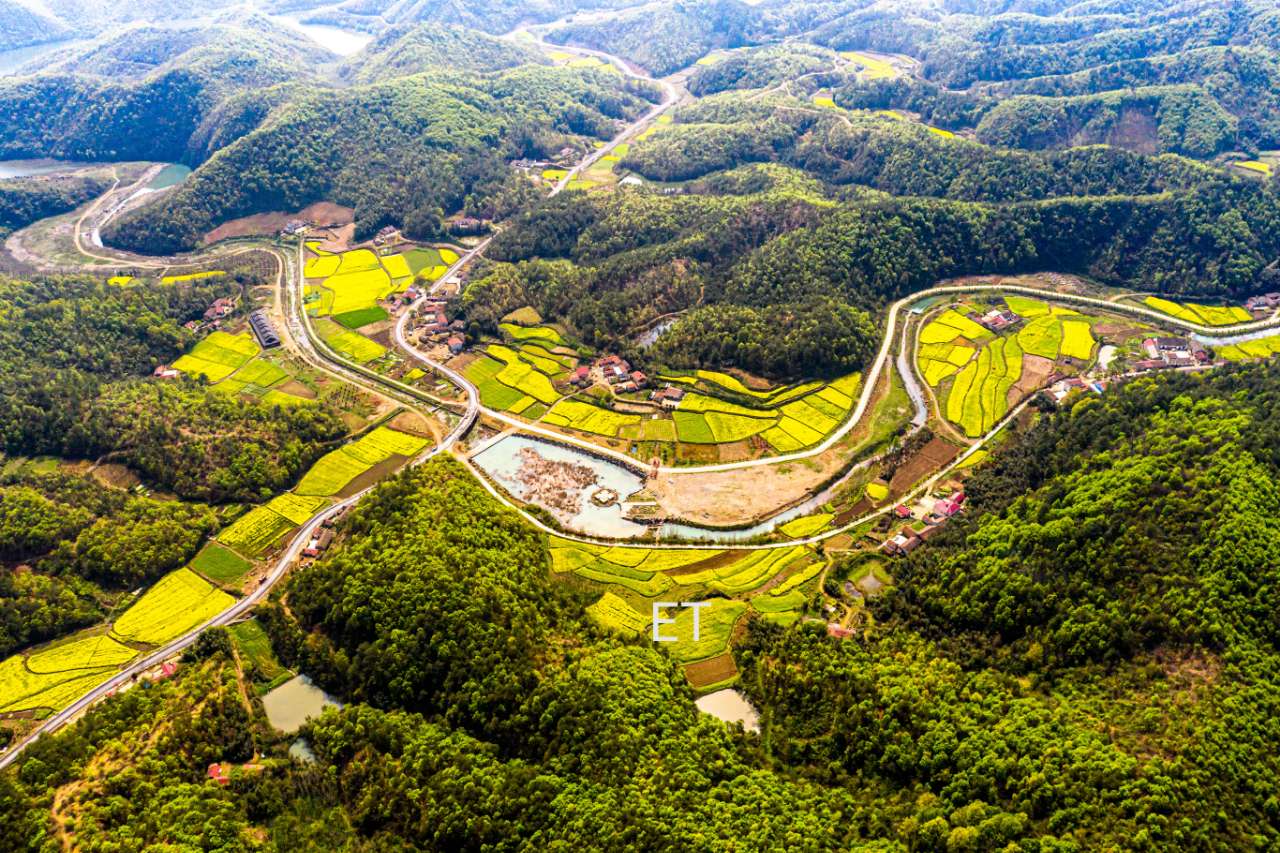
pixel 730 706
pixel 294 702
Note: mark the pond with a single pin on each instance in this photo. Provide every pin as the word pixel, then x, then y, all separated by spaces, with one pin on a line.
pixel 294 702
pixel 39 166
pixel 506 462
pixel 732 707
pixel 170 176
pixel 12 61
pixel 333 39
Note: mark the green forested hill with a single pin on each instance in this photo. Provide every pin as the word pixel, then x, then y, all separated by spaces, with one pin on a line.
pixel 25 200
pixel 414 48
pixel 1086 660
pixel 402 152
pixel 668 36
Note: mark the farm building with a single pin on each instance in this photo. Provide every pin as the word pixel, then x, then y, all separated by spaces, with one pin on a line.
pixel 669 397
pixel 263 330
pixel 1262 302
pixel 997 320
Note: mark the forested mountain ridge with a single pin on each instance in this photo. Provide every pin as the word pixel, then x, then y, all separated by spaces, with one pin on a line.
pixel 1222 56
pixel 766 238
pixel 403 152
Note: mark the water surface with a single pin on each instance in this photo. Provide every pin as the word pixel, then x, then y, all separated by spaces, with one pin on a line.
pixel 294 702
pixel 732 707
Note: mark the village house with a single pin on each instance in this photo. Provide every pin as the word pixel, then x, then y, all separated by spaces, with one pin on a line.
pixel 1156 347
pixel 385 234
pixel 456 343
pixel 902 511
pixel 639 379
pixel 164 371
pixel 997 320
pixel 219 773
pixel 581 377
pixel 950 505
pixel 294 227
pixel 318 544
pixel 1263 302
pixel 220 308
pixel 903 543
pixel 468 226
pixel 668 397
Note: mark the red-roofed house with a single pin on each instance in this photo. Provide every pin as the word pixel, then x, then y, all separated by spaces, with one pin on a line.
pixel 950 506
pixel 218 773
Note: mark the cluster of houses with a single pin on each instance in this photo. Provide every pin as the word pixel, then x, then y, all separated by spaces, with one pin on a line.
pixel 935 514
pixel 219 310
pixel 617 371
pixel 436 325
pixel 668 397
pixel 1060 388
pixel 1262 303
pixel 1163 353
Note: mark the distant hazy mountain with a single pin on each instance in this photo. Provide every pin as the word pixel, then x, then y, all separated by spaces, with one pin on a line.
pixel 21 26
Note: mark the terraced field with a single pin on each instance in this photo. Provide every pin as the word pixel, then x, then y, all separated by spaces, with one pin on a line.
pixel 333 471
pixel 1195 312
pixel 218 355
pixel 178 602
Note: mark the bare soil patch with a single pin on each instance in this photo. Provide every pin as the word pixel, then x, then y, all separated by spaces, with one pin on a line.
pixel 933 456
pixel 116 476
pixel 297 389
pixel 383 469
pixel 264 224
pixel 1036 370
pixel 711 671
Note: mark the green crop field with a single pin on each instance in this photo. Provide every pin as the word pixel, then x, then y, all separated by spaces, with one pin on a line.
pixel 361 317
pixel 422 259
pixel 256 530
pixel 93 652
pixel 1077 339
pixel 255 647
pixel 351 344
pixel 261 372
pixel 693 428
pixel 1042 336
pixel 578 415
pixel 177 603
pixel 296 508
pixel 805 525
pixel 483 373
pixel 220 564
pixel 614 614
pixel 715 628
pixel 321 267
pixel 23 690
pixel 522 376
pixel 356 290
